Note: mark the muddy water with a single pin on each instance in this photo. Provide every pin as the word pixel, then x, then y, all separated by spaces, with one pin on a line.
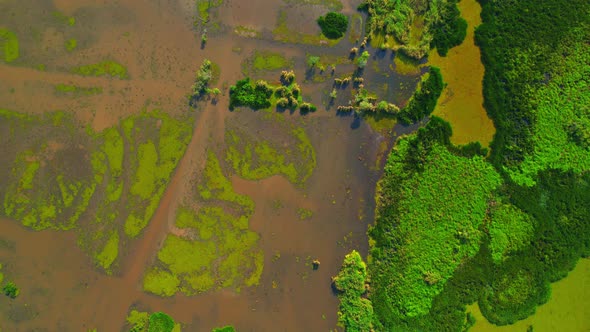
pixel 61 290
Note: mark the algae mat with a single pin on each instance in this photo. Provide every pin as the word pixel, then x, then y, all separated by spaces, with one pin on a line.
pixel 462 101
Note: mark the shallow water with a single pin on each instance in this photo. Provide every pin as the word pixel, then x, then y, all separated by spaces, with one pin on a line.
pixel 462 100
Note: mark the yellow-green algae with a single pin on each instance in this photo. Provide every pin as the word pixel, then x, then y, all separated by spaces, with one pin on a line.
pixel 103 68
pixel 153 164
pixel 221 251
pixel 9 45
pixel 61 173
pixel 255 157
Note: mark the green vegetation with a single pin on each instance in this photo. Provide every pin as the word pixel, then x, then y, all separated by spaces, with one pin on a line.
pixel 221 251
pixel 544 58
pixel 508 231
pixel 355 313
pixel 11 290
pixel 228 328
pixel 204 8
pixel 160 322
pixel 268 60
pixel 76 91
pixel 152 165
pixel 335 5
pixel 64 19
pixel 245 93
pixel 8 45
pixel 304 214
pixel 254 157
pixel 413 27
pixel 361 61
pixel 261 95
pixel 424 99
pixel 139 321
pixel 64 173
pixel 433 229
pixel 71 44
pixel 103 68
pixel 334 25
pixel 203 77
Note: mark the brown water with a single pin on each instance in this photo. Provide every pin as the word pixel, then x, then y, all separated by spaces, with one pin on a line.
pixel 60 288
pixel 462 100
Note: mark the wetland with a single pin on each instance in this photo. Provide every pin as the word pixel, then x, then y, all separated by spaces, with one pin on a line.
pixel 226 165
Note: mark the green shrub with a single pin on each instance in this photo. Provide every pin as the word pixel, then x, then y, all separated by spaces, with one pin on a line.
pixel 424 99
pixel 362 59
pixel 202 79
pixel 333 25
pixel 11 290
pixel 355 313
pixel 449 30
pixel 160 322
pixel 244 93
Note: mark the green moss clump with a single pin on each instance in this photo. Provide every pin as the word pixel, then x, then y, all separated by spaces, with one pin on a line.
pixel 71 44
pixel 160 282
pixel 9 45
pixel 304 214
pixel 152 164
pixel 11 290
pixel 155 322
pixel 334 25
pixel 267 60
pixel 160 322
pixel 103 68
pixel 355 313
pixel 110 252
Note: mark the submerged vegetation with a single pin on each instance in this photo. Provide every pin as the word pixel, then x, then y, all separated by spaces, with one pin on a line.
pixel 413 27
pixel 258 156
pixel 221 251
pixel 9 46
pixel 103 68
pixel 88 176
